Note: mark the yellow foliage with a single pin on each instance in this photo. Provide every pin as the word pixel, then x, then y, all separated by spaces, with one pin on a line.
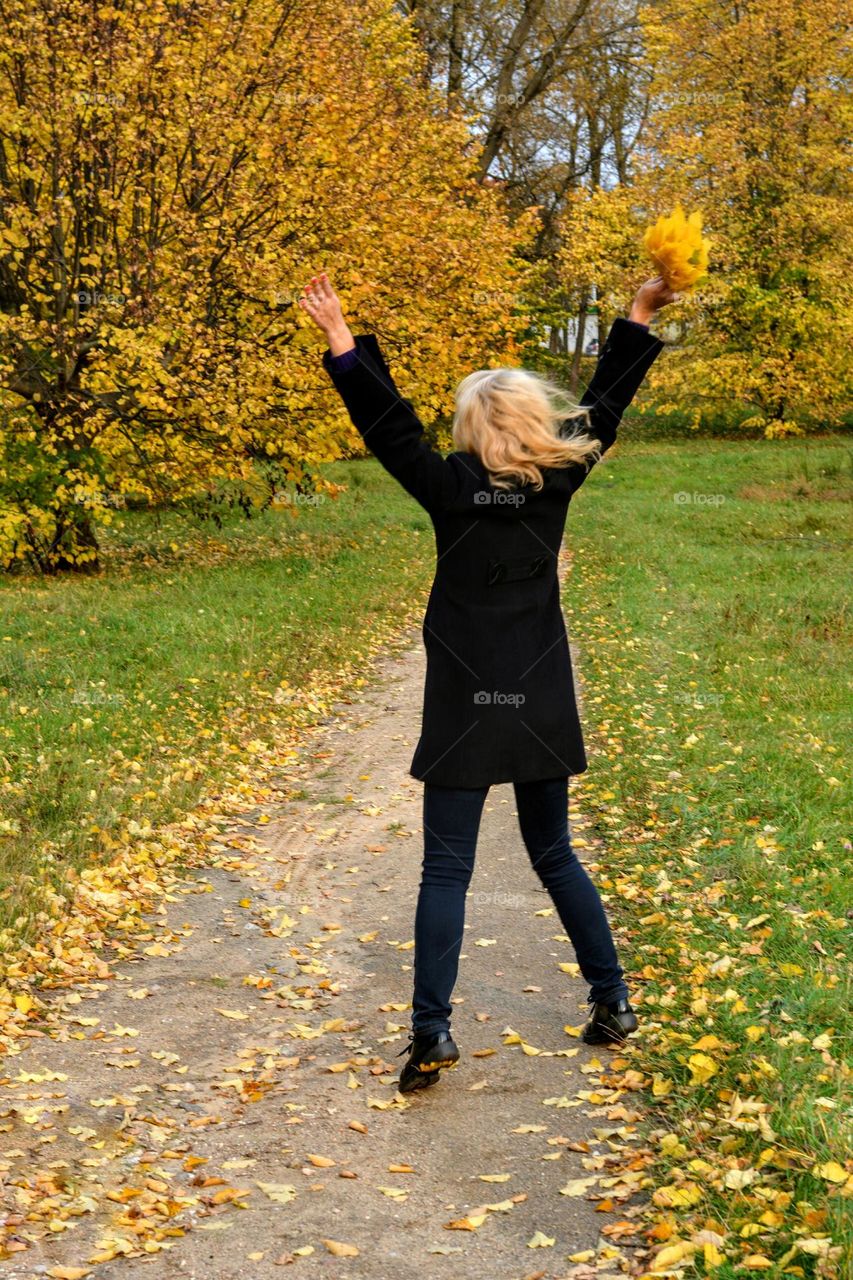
pixel 678 249
pixel 764 343
pixel 151 346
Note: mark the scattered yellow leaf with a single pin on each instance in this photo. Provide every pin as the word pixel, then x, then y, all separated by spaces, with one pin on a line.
pixel 540 1241
pixel 340 1250
pixel 701 1068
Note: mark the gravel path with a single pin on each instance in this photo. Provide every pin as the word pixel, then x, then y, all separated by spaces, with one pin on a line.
pixel 279 1117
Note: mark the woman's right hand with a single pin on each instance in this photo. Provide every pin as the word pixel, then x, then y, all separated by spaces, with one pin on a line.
pixel 323 305
pixel 649 299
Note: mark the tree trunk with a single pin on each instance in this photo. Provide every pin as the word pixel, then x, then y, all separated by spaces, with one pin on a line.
pixel 76 530
pixel 455 50
pixel 576 358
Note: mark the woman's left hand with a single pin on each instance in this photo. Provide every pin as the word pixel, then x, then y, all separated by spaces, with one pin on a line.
pixel 650 297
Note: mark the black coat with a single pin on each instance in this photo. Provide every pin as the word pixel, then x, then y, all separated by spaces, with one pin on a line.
pixel 499 701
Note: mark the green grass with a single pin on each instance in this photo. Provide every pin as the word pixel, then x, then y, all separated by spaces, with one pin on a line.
pixel 125 696
pixel 715 641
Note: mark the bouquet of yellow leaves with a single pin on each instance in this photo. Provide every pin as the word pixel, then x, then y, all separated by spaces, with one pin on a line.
pixel 678 248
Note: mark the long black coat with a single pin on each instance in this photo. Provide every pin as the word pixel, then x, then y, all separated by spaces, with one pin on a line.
pixel 499 702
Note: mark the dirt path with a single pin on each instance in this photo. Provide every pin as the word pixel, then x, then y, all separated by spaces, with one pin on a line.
pixel 162 1113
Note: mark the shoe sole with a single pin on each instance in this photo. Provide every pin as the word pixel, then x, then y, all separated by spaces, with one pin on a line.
pixel 427 1067
pixel 423 1080
pixel 428 1073
pixel 604 1036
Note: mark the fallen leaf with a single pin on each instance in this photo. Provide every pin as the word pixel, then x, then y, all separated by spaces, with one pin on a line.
pixel 280 1192
pixel 540 1241
pixel 469 1223
pixel 339 1249
pixel 701 1068
pixel 832 1171
pixel 578 1186
pixel 673 1254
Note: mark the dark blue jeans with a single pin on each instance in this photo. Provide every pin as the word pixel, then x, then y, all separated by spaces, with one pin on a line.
pixel 451 819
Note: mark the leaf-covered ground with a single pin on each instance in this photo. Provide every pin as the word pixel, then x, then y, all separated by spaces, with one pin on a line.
pixel 710 598
pixel 225 1102
pixel 123 698
pixel 707 592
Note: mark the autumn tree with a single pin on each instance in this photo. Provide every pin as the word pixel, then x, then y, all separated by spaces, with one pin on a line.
pixel 169 177
pixel 556 94
pixel 748 123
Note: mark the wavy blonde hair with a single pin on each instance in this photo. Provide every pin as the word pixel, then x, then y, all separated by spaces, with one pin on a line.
pixel 511 419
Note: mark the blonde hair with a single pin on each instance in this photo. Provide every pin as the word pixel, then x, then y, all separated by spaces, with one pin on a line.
pixel 511 419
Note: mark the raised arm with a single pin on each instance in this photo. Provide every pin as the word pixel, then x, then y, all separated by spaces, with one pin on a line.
pixel 386 421
pixel 628 353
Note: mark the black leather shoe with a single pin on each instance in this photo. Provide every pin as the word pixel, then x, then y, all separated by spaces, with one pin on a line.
pixel 610 1023
pixel 428 1055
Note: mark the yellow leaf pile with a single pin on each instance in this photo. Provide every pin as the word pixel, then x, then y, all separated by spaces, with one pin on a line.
pixel 678 249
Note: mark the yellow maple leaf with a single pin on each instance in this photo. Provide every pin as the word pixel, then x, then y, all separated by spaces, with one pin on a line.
pixel 701 1068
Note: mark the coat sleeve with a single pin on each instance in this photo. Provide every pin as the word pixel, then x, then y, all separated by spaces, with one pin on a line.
pixel 391 429
pixel 626 357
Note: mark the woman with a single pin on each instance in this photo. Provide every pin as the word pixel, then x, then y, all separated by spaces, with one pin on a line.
pixel 499 702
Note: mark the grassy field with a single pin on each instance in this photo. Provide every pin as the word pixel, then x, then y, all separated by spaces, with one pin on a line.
pixel 709 596
pixel 126 696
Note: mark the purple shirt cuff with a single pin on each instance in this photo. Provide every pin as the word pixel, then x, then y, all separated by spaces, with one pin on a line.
pixel 344 361
pixel 638 324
